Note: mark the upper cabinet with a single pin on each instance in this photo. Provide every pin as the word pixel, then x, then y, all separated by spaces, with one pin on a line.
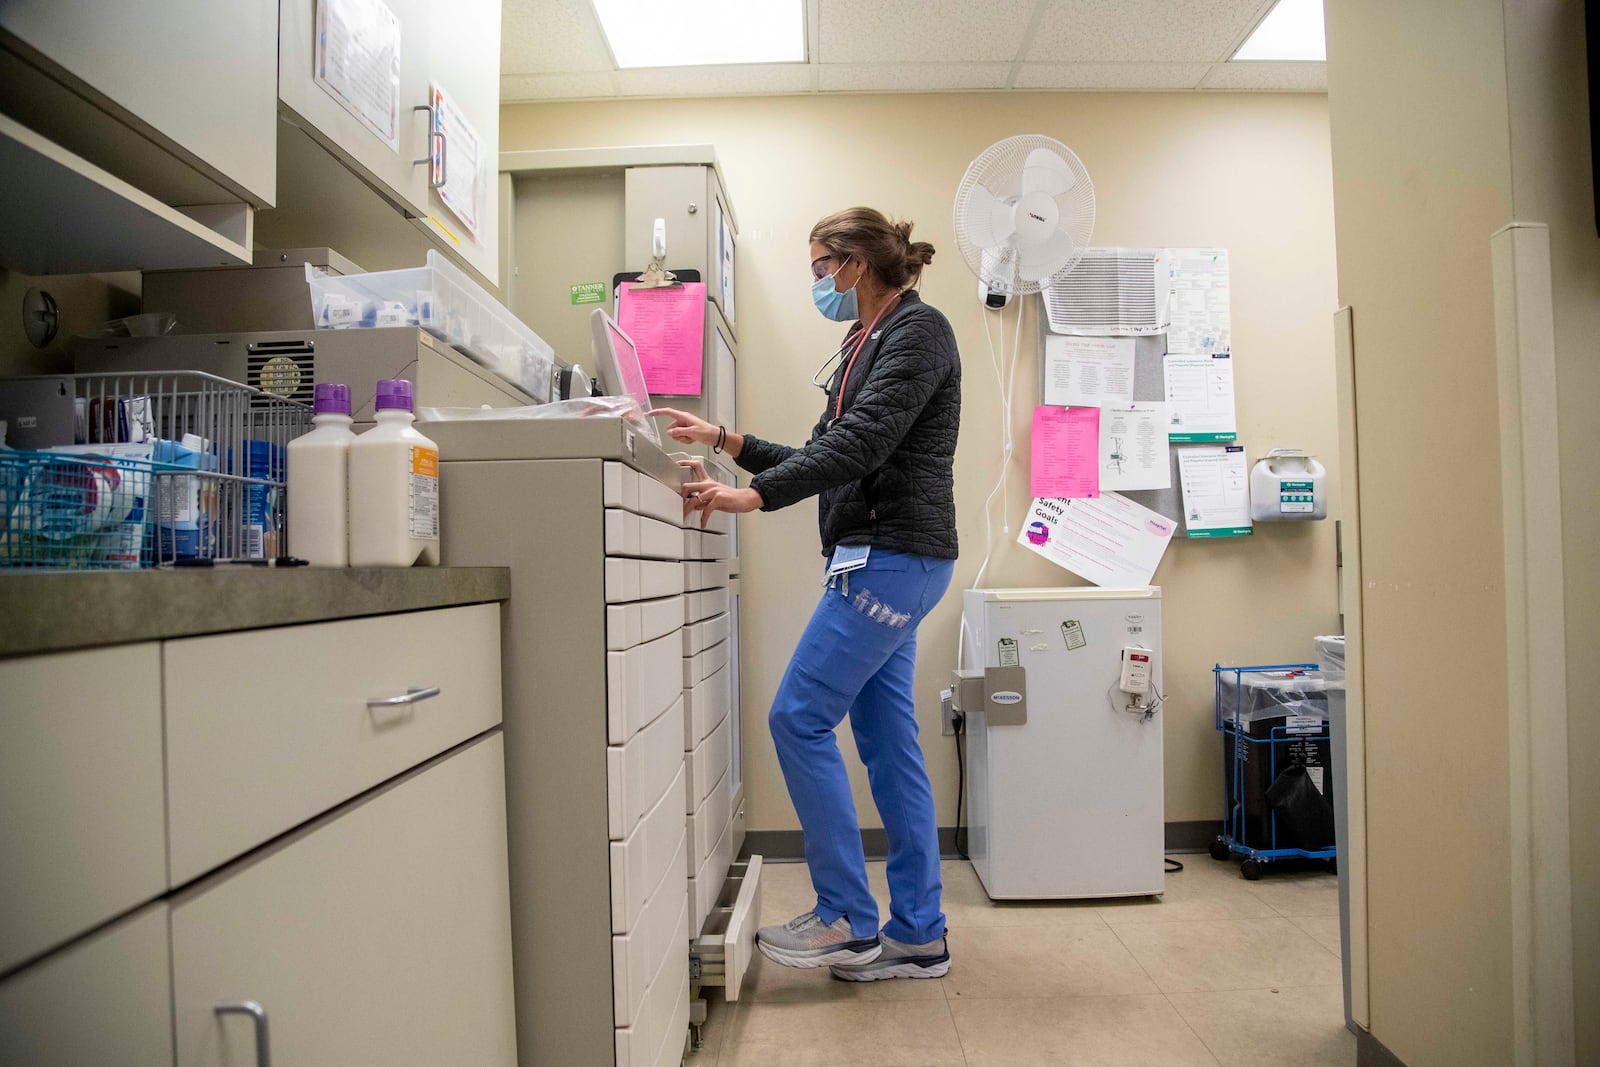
pixel 405 94
pixel 156 120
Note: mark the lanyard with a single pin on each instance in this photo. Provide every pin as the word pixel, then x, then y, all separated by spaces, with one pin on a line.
pixel 861 341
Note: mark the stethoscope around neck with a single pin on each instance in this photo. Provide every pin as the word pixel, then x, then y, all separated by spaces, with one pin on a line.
pixel 857 340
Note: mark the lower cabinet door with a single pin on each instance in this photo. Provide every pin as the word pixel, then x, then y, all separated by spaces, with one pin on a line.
pixel 380 937
pixel 106 999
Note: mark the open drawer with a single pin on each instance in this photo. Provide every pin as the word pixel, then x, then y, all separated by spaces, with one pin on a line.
pixel 726 945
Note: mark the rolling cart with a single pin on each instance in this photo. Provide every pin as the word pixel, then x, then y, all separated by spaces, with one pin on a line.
pixel 1277 764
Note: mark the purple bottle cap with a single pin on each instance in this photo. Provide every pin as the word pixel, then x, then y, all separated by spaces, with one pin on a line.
pixel 394 394
pixel 330 398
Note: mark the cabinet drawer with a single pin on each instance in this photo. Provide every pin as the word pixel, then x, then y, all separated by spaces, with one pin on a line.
pixel 381 936
pixel 107 999
pixel 641 683
pixel 270 728
pixel 700 636
pixel 638 863
pixel 638 772
pixel 702 665
pixel 708 823
pixel 707 764
pixel 637 579
pixel 704 545
pixel 706 704
pixel 697 575
pixel 628 625
pixel 628 534
pixel 739 939
pixel 82 812
pixel 704 604
pixel 656 1037
pixel 620 486
pixel 706 885
pixel 637 955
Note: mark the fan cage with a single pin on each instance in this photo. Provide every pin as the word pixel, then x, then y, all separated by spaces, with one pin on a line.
pixel 999 170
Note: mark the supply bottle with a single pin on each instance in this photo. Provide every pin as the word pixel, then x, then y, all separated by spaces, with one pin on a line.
pixel 394 487
pixel 319 481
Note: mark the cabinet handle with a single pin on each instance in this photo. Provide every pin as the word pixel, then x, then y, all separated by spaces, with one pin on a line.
pixel 258 1015
pixel 436 139
pixel 411 696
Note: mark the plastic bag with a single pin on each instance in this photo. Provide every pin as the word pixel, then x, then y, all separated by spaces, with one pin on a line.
pixel 590 407
pixel 1301 809
pixel 1276 695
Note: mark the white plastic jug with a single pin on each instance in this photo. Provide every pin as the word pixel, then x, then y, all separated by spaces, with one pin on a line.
pixel 319 481
pixel 1287 485
pixel 394 487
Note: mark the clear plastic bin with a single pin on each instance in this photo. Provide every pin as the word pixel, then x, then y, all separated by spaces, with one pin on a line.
pixel 441 299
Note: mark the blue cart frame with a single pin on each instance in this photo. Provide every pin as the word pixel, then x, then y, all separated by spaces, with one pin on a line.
pixel 1236 741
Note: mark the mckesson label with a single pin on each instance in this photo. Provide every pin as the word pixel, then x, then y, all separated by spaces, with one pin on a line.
pixel 1006 696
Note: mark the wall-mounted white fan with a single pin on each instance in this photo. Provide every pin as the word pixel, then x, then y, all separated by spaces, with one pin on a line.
pixel 1024 213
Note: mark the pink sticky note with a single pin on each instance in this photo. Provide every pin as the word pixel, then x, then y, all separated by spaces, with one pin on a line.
pixel 1066 452
pixel 668 327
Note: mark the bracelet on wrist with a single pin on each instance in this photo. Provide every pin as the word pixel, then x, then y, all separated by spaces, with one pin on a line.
pixel 722 439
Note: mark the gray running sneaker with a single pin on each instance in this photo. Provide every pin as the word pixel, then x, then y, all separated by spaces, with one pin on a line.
pixel 899 960
pixel 805 941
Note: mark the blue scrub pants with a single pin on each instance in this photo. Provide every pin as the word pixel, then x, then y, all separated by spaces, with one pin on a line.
pixel 857 656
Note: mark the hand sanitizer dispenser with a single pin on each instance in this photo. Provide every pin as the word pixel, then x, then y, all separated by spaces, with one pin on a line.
pixel 1287 485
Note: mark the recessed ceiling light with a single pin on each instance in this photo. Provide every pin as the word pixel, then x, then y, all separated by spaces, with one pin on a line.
pixel 1292 30
pixel 686 33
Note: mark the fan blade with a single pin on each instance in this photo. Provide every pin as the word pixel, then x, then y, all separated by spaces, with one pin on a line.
pixel 1037 263
pixel 1045 172
pixel 989 219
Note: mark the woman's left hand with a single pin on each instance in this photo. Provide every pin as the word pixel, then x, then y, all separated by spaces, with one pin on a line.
pixel 709 496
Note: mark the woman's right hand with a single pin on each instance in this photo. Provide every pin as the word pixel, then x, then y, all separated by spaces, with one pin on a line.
pixel 686 428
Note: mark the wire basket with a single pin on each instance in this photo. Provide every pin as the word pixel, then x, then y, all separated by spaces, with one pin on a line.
pixel 170 466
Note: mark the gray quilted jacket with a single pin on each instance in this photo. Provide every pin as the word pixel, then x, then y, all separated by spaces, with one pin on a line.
pixel 884 470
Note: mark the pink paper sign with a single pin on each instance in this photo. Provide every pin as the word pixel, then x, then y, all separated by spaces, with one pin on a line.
pixel 1066 452
pixel 668 327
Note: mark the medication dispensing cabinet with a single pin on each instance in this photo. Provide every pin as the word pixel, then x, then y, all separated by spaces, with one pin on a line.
pixel 578 217
pixel 622 810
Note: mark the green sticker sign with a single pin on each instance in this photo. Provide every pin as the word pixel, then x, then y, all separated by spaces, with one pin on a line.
pixel 589 293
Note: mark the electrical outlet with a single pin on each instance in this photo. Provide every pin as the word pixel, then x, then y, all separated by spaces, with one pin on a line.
pixel 947 712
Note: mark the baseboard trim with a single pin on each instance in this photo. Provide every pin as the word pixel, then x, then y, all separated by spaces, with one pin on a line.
pixel 1370 1052
pixel 784 845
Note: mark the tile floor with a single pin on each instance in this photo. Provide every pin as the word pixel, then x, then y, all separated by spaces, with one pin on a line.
pixel 1218 972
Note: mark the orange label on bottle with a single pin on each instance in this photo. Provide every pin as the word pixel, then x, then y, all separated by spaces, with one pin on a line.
pixel 425 461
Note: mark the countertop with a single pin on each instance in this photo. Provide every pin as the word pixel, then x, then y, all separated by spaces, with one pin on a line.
pixel 52 612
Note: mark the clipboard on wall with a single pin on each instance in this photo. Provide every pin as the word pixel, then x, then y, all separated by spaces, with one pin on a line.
pixel 669 335
pixel 685 275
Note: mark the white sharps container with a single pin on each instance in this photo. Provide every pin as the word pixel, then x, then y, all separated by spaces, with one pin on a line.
pixel 1288 485
pixel 394 487
pixel 319 481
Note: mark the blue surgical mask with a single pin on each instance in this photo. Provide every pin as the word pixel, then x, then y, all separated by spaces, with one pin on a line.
pixel 840 307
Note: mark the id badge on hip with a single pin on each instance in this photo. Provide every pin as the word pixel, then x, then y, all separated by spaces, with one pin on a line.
pixel 846 558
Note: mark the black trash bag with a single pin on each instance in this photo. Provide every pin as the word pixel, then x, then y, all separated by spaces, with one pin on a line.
pixel 1302 810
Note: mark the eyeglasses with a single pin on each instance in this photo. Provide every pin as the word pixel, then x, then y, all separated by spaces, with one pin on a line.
pixel 818 268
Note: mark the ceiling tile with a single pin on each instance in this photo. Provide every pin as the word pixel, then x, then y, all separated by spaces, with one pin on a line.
pixel 1110 75
pixel 745 79
pixel 1142 31
pixel 1284 76
pixel 922 31
pixel 580 86
pixel 549 37
pixel 912 77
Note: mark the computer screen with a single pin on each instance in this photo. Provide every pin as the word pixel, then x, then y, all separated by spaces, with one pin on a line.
pixel 617 366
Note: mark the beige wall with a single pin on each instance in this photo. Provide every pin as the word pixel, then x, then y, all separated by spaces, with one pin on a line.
pixel 1248 172
pixel 84 302
pixel 1551 182
pixel 1449 120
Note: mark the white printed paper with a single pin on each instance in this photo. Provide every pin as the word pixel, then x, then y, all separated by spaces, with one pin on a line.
pixel 1119 291
pixel 1108 540
pixel 1201 321
pixel 1088 371
pixel 358 62
pixel 1216 490
pixel 1133 447
pixel 462 162
pixel 1199 398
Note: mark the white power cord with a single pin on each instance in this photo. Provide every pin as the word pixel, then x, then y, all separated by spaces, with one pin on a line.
pixel 1005 383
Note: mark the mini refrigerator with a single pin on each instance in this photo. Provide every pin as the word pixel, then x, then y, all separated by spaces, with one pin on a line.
pixel 1067 803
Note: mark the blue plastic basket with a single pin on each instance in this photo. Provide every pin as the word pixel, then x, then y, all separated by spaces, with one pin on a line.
pixel 78 512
